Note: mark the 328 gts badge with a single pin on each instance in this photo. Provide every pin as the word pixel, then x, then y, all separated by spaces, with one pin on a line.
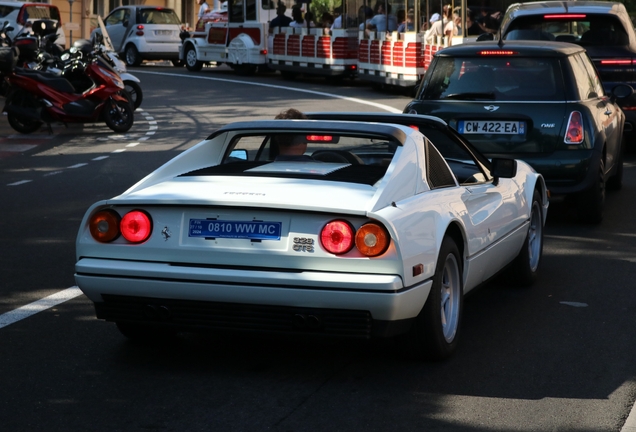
pixel 303 244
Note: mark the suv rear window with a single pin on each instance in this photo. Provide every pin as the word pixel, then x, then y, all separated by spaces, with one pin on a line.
pixel 499 78
pixel 589 30
pixel 39 12
pixel 158 16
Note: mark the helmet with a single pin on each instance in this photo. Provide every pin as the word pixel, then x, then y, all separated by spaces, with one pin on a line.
pixel 83 45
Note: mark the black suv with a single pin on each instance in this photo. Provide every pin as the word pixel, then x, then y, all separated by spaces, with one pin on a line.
pixel 603 28
pixel 542 102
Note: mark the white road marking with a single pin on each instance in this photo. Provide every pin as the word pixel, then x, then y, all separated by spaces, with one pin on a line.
pixel 52 173
pixel 98 158
pixel 119 150
pixel 19 182
pixel 17 147
pixel 575 304
pixel 38 306
pixel 314 92
pixel 135 144
pixel 77 165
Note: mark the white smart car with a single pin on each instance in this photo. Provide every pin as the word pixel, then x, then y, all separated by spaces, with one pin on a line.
pixel 141 33
pixel 378 229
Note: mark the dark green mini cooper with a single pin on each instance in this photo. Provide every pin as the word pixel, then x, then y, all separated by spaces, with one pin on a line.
pixel 538 101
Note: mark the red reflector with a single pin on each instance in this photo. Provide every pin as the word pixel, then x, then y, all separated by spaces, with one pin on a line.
pixel 337 237
pixel 140 27
pixel 319 138
pixel 565 16
pixel 136 226
pixel 139 33
pixel 414 127
pixel 617 62
pixel 497 53
pixel 574 130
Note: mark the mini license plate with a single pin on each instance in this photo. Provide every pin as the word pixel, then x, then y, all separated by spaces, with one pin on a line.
pixel 491 127
pixel 255 230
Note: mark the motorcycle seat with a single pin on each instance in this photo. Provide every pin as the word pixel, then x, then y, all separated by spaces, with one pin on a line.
pixel 50 79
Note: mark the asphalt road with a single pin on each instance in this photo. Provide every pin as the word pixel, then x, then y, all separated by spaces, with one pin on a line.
pixel 556 357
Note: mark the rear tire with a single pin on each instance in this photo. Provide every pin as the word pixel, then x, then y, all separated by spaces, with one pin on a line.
pixel 134 90
pixel 435 333
pixel 191 62
pixel 132 56
pixel 592 201
pixel 20 123
pixel 616 181
pixel 524 268
pixel 118 116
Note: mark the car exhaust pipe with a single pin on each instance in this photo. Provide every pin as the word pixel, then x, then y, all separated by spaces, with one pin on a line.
pixel 314 322
pixel 301 321
pixel 629 127
pixel 157 313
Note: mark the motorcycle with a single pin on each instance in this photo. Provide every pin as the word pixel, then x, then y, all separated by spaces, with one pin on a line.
pixel 87 90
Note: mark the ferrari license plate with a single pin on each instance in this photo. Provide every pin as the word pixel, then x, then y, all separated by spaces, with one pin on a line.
pixel 255 230
pixel 491 127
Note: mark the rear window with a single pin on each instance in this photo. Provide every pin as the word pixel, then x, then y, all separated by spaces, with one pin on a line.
pixel 582 29
pixel 6 10
pixel 158 16
pixel 333 157
pixel 39 12
pixel 498 78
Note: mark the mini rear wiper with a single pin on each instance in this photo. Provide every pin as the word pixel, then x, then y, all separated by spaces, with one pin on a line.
pixel 471 96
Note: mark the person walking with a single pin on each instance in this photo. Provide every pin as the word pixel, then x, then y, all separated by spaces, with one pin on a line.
pixel 203 8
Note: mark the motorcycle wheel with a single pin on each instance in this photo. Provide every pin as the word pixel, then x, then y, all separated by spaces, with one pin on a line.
pixel 119 116
pixel 20 123
pixel 134 90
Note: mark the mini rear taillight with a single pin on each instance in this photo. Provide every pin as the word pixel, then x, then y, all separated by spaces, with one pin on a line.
pixel 136 226
pixel 337 237
pixel 372 239
pixel 140 30
pixel 104 225
pixel 574 130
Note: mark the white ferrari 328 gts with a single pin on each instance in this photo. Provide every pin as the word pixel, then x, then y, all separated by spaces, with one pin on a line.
pixel 378 229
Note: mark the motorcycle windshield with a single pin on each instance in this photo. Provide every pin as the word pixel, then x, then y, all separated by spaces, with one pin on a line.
pixel 106 42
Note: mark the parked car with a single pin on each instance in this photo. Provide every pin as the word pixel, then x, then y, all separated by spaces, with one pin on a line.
pixel 141 33
pixel 542 102
pixel 20 16
pixel 603 28
pixel 378 229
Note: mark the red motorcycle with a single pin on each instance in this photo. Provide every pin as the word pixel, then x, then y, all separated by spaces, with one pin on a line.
pixel 87 91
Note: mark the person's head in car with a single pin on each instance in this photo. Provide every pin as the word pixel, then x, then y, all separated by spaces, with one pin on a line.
pixel 290 145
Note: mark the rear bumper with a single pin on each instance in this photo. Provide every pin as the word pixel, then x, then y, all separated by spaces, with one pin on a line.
pixel 565 172
pixel 247 299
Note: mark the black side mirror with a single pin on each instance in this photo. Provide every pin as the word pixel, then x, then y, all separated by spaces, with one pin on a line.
pixel 485 37
pixel 621 91
pixel 503 168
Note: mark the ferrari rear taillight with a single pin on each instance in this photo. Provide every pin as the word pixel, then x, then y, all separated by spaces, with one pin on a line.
pixel 574 130
pixel 140 30
pixel 372 239
pixel 104 225
pixel 136 226
pixel 339 237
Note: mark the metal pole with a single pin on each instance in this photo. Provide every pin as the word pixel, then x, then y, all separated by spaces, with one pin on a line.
pixel 70 20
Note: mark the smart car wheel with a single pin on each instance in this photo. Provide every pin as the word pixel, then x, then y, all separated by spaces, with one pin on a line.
pixel 132 56
pixel 191 62
pixel 523 271
pixel 435 333
pixel 592 201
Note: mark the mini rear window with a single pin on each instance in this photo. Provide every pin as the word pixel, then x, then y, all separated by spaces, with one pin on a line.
pixel 158 16
pixel 586 30
pixel 498 78
pixel 320 156
pixel 40 12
